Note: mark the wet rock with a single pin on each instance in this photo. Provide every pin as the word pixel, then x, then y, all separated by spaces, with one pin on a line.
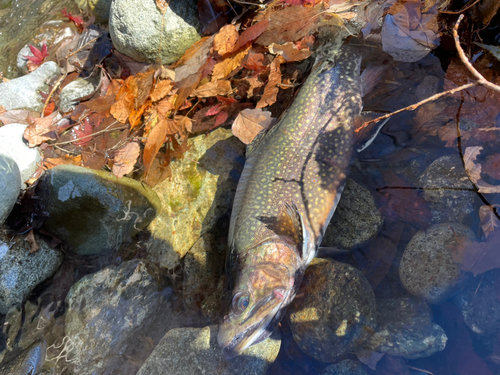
pixel 107 311
pixel 448 190
pixel 405 329
pixel 12 144
pixel 203 265
pixel 195 351
pixel 28 362
pixel 427 268
pixel 356 219
pixel 21 271
pixel 23 92
pixel 196 196
pixel 93 211
pixel 139 29
pixel 98 8
pixel 347 367
pixel 333 311
pixel 10 185
pixel 76 89
pixel 480 305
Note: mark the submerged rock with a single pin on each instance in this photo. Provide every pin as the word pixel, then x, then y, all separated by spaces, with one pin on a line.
pixel 107 311
pixel 93 211
pixel 76 89
pixel 334 310
pixel 140 30
pixel 427 268
pixel 28 362
pixel 356 219
pixel 21 271
pixel 347 367
pixel 405 329
pixel 448 190
pixel 98 8
pixel 10 185
pixel 195 351
pixel 203 265
pixel 198 194
pixel 12 144
pixel 23 92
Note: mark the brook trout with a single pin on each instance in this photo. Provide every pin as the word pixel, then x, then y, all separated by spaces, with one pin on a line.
pixel 288 191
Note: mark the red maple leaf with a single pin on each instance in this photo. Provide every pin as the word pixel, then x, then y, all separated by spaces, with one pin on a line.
pixel 77 20
pixel 38 56
pixel 84 136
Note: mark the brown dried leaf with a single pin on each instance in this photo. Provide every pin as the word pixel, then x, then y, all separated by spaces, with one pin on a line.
pixel 213 88
pixel 156 138
pixel 30 238
pixel 162 5
pixel 289 51
pixel 161 89
pixel 141 87
pixel 474 171
pixel 249 123
pixel 39 129
pixel 271 90
pixel 193 59
pixel 125 159
pixel 49 163
pixel 479 257
pixel 165 106
pixel 492 166
pixel 252 33
pixel 15 116
pixel 225 40
pixel 226 66
pixel 185 125
pixel 489 221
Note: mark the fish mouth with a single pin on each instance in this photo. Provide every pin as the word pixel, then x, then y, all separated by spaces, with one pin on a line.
pixel 254 333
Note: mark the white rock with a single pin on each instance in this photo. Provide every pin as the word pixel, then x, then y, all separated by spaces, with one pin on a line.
pixel 78 88
pixel 10 185
pixel 12 144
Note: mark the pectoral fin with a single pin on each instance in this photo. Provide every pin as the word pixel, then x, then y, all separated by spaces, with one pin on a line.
pixel 303 238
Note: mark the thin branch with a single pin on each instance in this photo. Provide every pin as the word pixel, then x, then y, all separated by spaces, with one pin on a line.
pixel 59 81
pixel 82 47
pixel 91 135
pixel 466 62
pixel 460 11
pixel 416 105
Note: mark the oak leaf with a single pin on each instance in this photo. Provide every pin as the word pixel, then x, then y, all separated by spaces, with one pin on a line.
pixel 213 88
pixel 125 159
pixel 249 123
pixel 225 40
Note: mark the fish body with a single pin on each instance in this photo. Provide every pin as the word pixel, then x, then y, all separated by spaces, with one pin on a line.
pixel 288 191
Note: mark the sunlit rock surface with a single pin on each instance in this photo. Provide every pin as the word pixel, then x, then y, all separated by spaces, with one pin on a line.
pixel 21 271
pixel 10 185
pixel 108 313
pixel 427 269
pixel 195 351
pixel 334 310
pixel 197 195
pixel 356 219
pixel 23 92
pixel 139 29
pixel 405 328
pixel 12 143
pixel 93 211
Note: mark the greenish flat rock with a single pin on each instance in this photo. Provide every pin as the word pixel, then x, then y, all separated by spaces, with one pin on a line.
pixel 93 212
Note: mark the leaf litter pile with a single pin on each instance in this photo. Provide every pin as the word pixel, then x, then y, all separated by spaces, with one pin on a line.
pixel 245 73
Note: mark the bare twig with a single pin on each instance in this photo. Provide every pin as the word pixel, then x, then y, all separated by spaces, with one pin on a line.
pixel 91 135
pixel 460 11
pixel 416 105
pixel 82 47
pixel 483 81
pixel 59 81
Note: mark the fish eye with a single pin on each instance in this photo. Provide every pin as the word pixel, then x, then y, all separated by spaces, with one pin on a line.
pixel 240 302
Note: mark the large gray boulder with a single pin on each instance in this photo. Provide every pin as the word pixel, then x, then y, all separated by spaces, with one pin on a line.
pixel 23 92
pixel 139 30
pixel 10 185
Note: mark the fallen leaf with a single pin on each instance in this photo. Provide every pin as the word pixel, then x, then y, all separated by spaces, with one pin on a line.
pixel 15 116
pixel 492 166
pixel 479 257
pixel 474 170
pixel 162 5
pixel 249 123
pixel 161 89
pixel 77 20
pixel 41 129
pixel 369 357
pixel 271 90
pixel 156 139
pixel 165 106
pixel 49 163
pixel 252 33
pixel 225 40
pixel 193 59
pixel 38 57
pixel 489 221
pixel 494 50
pixel 30 238
pixel 83 133
pixel 289 51
pixel 125 159
pixel 226 66
pixel 213 88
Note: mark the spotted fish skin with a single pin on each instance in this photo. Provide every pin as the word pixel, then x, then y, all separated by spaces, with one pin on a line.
pixel 302 162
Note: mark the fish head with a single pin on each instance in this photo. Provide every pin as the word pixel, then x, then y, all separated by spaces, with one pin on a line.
pixel 259 297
